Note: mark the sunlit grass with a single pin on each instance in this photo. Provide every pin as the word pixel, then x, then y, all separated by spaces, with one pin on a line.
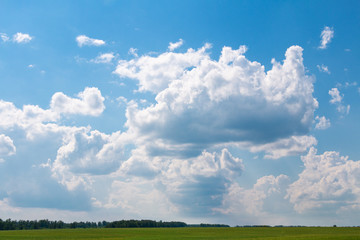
pixel 188 233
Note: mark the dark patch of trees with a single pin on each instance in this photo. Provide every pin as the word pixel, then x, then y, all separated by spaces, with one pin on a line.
pixel 47 224
pixel 143 224
pixel 207 225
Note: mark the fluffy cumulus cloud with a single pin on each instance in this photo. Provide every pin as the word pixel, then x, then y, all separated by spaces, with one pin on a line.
pixel 335 96
pixel 329 182
pixel 183 187
pixel 89 102
pixel 155 73
pixel 326 35
pixel 83 40
pixel 198 186
pixel 202 102
pixel 322 123
pixel 7 147
pixel 64 158
pixel 253 202
pixel 22 37
pixel 84 154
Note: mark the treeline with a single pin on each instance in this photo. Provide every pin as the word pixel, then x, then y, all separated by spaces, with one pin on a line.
pixel 143 224
pixel 207 225
pixel 47 224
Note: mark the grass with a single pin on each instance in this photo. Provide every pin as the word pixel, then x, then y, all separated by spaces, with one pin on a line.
pixel 187 233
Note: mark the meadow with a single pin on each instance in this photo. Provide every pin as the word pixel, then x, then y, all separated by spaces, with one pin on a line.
pixel 188 233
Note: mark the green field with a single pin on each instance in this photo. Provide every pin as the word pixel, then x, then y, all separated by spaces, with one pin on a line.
pixel 188 233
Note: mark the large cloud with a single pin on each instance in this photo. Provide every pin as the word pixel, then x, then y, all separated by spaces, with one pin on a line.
pixel 38 134
pixel 258 204
pixel 329 182
pixel 34 120
pixel 86 154
pixel 198 185
pixel 203 102
pixel 155 73
pixel 179 187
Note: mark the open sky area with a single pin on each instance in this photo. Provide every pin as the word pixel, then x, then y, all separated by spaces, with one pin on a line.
pixel 234 112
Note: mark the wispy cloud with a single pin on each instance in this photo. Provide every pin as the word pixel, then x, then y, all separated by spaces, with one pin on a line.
pixel 104 58
pixel 173 46
pixel 133 51
pixel 83 40
pixel 326 35
pixel 4 37
pixel 336 99
pixel 323 68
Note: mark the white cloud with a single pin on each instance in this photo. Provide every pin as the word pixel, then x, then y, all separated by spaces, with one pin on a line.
pixel 83 40
pixel 85 154
pixel 173 46
pixel 7 147
pixel 336 99
pixel 261 204
pixel 326 35
pixel 133 51
pixel 191 186
pixel 155 73
pixel 90 102
pixel 286 147
pixel 335 96
pixel 329 182
pixel 322 123
pixel 140 199
pixel 323 68
pixel 4 37
pixel 104 58
pixel 197 185
pixel 215 102
pixel 22 37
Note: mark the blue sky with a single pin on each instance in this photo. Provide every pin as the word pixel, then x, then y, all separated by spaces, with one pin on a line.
pixel 236 112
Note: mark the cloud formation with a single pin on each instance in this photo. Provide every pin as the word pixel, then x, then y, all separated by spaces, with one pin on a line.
pixel 326 35
pixel 83 40
pixel 329 182
pixel 4 37
pixel 104 58
pixel 173 46
pixel 155 73
pixel 201 102
pixel 322 123
pixel 337 99
pixel 7 147
pixel 253 202
pixel 22 37
pixel 323 68
pixel 89 102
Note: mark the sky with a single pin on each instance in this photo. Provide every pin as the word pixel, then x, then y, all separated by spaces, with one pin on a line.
pixel 233 112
